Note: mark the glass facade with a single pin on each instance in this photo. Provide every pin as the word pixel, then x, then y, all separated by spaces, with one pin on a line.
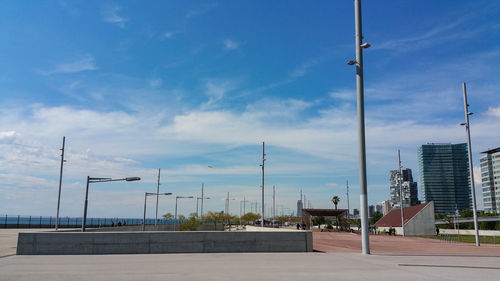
pixel 490 179
pixel 444 176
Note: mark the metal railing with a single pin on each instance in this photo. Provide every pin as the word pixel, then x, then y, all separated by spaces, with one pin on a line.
pixel 19 221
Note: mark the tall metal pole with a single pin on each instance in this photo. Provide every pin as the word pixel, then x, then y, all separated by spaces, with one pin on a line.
pixel 202 195
pixel 469 148
pixel 60 181
pixel 244 202
pixel 157 196
pixel 84 220
pixel 363 197
pixel 175 216
pixel 274 202
pixel 347 191
pixel 400 182
pixel 263 159
pixel 144 216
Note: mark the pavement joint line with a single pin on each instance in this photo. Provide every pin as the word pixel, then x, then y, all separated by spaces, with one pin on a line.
pixel 6 256
pixel 452 266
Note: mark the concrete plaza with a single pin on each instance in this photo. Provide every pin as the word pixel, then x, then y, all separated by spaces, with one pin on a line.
pixel 393 258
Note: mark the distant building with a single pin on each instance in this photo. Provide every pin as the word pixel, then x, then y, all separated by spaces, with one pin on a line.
pixel 371 210
pixel 355 213
pixel 378 208
pixel 386 207
pixel 490 178
pixel 299 208
pixel 410 190
pixel 444 176
pixel 419 220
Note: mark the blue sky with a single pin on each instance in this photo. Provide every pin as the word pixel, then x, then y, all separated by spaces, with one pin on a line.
pixel 182 86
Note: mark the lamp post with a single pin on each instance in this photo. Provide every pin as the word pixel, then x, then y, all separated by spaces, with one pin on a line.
pixel 469 148
pixel 227 203
pixel 146 194
pixel 176 198
pixel 197 200
pixel 363 198
pixel 401 202
pixel 95 180
pixel 60 182
pixel 262 165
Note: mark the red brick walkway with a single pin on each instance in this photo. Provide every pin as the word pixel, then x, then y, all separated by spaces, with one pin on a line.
pixel 343 242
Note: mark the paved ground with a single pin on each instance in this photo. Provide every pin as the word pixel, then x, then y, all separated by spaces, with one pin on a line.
pixel 343 242
pixel 393 258
pixel 250 266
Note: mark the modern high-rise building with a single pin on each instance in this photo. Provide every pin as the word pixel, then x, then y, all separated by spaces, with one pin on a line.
pixel 299 208
pixel 355 213
pixel 444 176
pixel 490 178
pixel 386 207
pixel 410 190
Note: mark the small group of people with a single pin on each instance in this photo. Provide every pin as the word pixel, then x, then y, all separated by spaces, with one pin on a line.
pixel 118 224
pixel 299 226
pixel 392 231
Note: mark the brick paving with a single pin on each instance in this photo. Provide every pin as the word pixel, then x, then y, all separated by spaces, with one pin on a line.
pixel 343 242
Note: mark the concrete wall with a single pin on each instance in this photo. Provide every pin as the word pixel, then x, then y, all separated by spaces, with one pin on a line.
pixel 423 223
pixel 76 243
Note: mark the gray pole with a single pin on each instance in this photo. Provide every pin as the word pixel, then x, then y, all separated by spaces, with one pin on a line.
pixel 347 191
pixel 274 202
pixel 144 216
pixel 175 216
pixel 263 159
pixel 365 240
pixel 60 181
pixel 157 195
pixel 202 195
pixel 469 148
pixel 197 199
pixel 84 220
pixel 400 181
pixel 244 202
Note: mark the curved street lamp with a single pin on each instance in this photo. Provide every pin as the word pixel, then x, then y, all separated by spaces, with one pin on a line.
pixel 146 194
pixel 95 180
pixel 178 197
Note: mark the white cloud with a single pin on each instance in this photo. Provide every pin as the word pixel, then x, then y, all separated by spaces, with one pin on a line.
pixel 493 111
pixel 200 10
pixel 109 14
pixel 155 82
pixel 169 34
pixel 85 63
pixel 230 44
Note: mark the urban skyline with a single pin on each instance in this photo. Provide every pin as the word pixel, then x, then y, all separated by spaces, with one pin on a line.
pixel 194 88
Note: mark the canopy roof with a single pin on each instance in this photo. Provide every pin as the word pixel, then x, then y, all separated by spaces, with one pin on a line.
pixel 325 212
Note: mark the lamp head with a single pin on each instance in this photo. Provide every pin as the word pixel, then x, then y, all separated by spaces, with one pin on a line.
pixel 133 179
pixel 365 45
pixel 462 124
pixel 351 62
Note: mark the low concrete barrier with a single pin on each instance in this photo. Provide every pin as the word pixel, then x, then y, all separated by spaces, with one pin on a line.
pixel 88 243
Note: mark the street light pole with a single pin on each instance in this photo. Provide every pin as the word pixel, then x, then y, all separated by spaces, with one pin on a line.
pixel 469 148
pixel 95 180
pixel 84 220
pixel 202 195
pixel 274 204
pixel 363 196
pixel 400 181
pixel 176 198
pixel 157 197
pixel 263 159
pixel 60 182
pixel 146 194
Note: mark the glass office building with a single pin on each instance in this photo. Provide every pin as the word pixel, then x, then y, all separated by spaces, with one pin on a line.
pixel 444 176
pixel 490 179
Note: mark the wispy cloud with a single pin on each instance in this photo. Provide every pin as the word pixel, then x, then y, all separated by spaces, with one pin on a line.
pixel 231 45
pixel 85 63
pixel 198 11
pixel 216 89
pixel 494 111
pixel 110 14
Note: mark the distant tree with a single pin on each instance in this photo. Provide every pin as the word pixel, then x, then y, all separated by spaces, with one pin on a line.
pixel 168 216
pixel 213 217
pixel 319 220
pixel 282 219
pixel 375 217
pixel 249 217
pixel 181 217
pixel 190 225
pixel 193 215
pixel 466 213
pixel 335 201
